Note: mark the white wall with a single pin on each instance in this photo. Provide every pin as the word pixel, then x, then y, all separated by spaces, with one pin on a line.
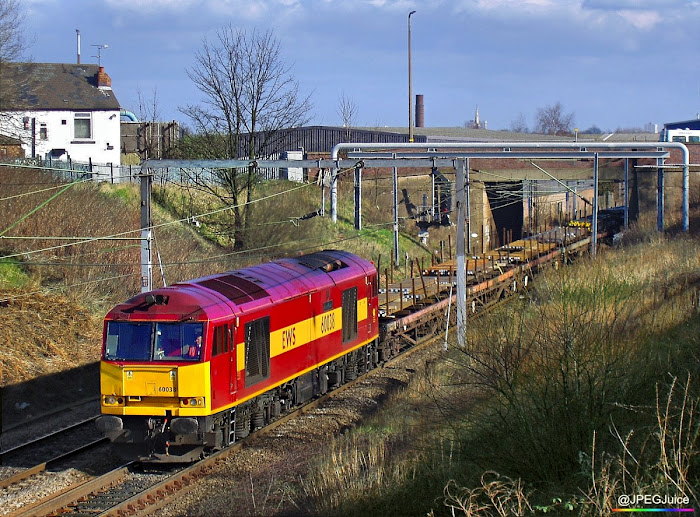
pixel 103 147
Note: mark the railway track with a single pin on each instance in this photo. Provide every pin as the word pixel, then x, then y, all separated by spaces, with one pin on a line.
pixel 134 488
pixel 413 315
pixel 414 310
pixel 41 442
pixel 52 463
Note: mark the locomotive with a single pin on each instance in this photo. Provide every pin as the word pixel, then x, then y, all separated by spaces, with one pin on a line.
pixel 190 368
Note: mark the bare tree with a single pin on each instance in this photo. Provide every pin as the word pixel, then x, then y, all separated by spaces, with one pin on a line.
pixel 13 45
pixel 551 120
pixel 519 124
pixel 149 137
pixel 12 40
pixel 148 108
pixel 250 97
pixel 347 110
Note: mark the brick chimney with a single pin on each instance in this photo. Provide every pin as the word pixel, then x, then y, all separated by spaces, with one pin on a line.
pixel 103 80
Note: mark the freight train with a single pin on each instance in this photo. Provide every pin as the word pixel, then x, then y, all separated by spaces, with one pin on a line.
pixel 190 368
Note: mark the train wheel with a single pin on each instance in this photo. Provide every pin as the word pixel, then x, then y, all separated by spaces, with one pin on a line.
pixel 258 418
pixel 351 368
pixel 242 425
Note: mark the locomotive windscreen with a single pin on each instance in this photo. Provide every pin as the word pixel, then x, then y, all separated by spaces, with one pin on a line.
pixel 148 341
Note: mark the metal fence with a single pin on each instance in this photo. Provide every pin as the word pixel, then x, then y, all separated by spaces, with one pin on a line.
pixel 72 171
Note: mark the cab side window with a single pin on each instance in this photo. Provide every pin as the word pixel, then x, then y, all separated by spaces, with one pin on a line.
pixel 222 339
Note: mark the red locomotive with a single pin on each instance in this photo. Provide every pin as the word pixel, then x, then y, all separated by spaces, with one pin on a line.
pixel 194 366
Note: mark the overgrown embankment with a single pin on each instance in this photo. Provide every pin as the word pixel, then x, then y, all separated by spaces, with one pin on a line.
pixel 71 249
pixel 584 390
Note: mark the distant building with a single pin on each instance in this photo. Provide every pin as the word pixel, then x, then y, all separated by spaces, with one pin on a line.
pixel 150 140
pixel 60 111
pixel 476 123
pixel 10 148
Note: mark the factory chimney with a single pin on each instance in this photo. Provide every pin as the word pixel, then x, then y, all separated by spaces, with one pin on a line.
pixel 420 115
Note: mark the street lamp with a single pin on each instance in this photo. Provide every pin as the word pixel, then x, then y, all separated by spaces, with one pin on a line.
pixel 99 52
pixel 410 85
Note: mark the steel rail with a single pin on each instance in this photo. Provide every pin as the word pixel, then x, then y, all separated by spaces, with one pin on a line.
pixel 41 467
pixel 47 436
pixel 55 502
pixel 157 495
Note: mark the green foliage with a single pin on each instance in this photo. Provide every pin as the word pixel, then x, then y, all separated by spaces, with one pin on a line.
pixel 211 146
pixel 557 505
pixel 12 274
pixel 126 193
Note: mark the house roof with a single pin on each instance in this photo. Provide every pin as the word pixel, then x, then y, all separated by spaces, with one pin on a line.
pixel 55 86
pixel 8 140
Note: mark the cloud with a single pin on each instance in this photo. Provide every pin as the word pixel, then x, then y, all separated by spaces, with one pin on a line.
pixel 250 10
pixel 151 5
pixel 635 5
pixel 640 19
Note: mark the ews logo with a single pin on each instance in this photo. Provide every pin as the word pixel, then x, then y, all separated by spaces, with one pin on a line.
pixel 289 338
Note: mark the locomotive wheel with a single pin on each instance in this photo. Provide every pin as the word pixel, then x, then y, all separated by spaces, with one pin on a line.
pixel 258 419
pixel 243 425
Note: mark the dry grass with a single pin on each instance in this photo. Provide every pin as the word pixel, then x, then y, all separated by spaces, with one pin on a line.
pixel 389 450
pixel 495 496
pixel 45 334
pixel 536 383
pixel 662 463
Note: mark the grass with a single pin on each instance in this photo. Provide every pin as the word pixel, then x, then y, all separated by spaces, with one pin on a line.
pixel 12 275
pixel 560 402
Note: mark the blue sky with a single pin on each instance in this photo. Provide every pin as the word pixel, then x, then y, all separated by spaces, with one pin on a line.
pixel 613 63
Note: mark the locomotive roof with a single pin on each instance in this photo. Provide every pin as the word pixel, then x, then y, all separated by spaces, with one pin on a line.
pixel 285 278
pixel 248 287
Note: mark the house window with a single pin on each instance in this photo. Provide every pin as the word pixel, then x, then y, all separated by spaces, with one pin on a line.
pixel 83 127
pixel 43 132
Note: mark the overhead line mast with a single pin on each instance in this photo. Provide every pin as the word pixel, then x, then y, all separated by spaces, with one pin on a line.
pixel 146 232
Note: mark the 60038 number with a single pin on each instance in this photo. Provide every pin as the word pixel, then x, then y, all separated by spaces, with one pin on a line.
pixel 327 323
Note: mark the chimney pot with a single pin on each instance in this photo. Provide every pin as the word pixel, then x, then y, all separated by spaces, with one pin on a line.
pixel 103 80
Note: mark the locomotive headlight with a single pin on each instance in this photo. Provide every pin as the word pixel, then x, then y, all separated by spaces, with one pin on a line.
pixel 113 400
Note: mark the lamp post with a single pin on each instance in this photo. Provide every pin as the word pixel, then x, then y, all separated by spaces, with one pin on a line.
pixel 410 84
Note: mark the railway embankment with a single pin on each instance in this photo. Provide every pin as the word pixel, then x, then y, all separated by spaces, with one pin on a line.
pixel 579 392
pixel 582 391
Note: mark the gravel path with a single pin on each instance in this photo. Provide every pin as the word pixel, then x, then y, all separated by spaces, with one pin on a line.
pixel 266 477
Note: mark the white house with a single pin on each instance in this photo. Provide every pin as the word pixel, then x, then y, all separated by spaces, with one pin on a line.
pixel 61 111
